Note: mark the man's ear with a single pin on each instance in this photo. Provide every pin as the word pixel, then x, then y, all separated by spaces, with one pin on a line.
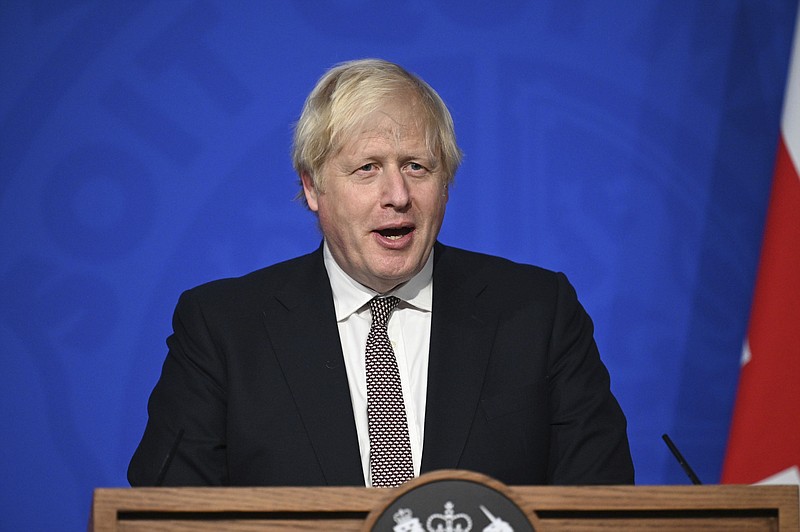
pixel 309 191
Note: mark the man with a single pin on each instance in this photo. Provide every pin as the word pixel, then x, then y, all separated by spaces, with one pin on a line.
pixel 285 377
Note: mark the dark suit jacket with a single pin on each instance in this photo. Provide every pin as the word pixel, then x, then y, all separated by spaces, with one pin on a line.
pixel 255 377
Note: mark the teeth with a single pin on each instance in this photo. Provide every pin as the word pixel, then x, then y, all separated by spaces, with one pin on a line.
pixel 395 233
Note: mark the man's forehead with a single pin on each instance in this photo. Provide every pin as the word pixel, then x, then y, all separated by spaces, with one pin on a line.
pixel 390 122
pixel 374 139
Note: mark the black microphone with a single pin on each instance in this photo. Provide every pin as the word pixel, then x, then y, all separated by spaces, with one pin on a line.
pixel 168 459
pixel 681 460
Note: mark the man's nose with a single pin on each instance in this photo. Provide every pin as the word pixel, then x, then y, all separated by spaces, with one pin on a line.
pixel 395 192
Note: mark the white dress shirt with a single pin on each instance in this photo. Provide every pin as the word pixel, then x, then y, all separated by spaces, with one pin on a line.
pixel 409 331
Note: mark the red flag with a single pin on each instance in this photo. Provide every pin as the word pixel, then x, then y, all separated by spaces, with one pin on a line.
pixel 764 443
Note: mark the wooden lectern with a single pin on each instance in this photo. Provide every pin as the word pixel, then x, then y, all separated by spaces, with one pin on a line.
pixel 680 508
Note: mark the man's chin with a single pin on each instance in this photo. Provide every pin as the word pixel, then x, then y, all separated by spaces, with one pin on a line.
pixel 385 281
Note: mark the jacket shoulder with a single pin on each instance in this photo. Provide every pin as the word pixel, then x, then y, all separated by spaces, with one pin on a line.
pixel 259 283
pixel 498 268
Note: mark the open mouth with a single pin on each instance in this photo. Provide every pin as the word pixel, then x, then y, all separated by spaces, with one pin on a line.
pixel 394 233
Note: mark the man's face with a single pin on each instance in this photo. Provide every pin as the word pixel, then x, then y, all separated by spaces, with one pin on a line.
pixel 383 201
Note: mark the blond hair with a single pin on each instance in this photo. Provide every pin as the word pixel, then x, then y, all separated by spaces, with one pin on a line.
pixel 349 92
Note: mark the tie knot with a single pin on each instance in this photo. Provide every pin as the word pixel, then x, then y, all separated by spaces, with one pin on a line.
pixel 381 308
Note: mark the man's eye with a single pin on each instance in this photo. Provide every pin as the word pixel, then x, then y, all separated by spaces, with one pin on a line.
pixel 369 167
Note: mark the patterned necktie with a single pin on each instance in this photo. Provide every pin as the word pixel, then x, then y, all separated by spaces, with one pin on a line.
pixel 389 443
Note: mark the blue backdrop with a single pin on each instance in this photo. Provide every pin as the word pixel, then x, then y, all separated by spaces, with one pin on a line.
pixel 144 149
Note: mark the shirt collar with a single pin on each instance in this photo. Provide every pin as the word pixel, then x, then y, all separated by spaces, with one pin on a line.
pixel 350 296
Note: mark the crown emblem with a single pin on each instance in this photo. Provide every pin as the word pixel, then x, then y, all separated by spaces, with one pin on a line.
pixel 449 521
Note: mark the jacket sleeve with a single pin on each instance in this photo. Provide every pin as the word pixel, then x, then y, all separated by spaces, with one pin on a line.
pixel 589 443
pixel 190 396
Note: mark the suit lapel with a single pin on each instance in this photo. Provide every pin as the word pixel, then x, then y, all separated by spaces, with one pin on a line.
pixel 301 324
pixel 461 341
pixel 302 328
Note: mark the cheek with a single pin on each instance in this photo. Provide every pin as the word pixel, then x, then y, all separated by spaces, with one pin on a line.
pixel 352 209
pixel 327 218
pixel 437 207
pixel 337 218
